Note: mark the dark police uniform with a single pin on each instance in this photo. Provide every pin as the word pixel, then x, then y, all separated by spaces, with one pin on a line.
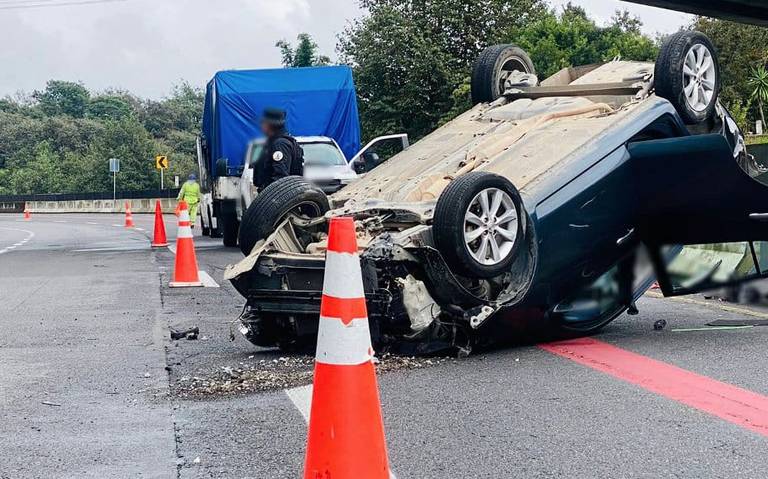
pixel 282 156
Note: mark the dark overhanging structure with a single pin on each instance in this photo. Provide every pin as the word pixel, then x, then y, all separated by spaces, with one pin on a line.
pixel 744 11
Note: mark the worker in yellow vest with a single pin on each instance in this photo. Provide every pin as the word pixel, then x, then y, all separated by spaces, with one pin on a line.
pixel 190 194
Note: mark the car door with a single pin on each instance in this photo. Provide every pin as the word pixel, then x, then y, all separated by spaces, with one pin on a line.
pixel 704 219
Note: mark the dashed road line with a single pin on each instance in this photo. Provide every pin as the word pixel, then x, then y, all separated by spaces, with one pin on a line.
pixel 206 279
pixel 18 244
pixel 301 397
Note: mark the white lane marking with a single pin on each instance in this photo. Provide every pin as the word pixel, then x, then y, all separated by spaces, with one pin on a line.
pixel 108 249
pixel 139 229
pixel 118 226
pixel 206 279
pixel 172 248
pixel 59 221
pixel 92 223
pixel 301 397
pixel 29 237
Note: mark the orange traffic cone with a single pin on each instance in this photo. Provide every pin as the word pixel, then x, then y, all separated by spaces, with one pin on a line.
pixel 27 213
pixel 185 269
pixel 128 216
pixel 159 238
pixel 346 431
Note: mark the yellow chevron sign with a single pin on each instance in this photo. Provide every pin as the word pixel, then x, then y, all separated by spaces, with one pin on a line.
pixel 161 162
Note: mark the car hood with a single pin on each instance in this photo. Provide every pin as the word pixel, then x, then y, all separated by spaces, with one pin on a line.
pixel 326 173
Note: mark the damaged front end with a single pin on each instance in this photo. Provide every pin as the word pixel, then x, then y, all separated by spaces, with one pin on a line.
pixel 416 304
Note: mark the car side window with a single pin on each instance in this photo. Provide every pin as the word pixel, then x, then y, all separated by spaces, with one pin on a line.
pixel 663 127
pixel 256 153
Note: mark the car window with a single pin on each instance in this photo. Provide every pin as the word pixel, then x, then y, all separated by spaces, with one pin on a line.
pixel 322 154
pixel 708 266
pixel 256 153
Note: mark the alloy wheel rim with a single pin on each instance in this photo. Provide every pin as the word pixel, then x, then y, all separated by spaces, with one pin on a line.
pixel 512 65
pixel 699 77
pixel 490 226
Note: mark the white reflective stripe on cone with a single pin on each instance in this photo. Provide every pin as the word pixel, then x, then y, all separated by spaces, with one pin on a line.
pixel 184 232
pixel 343 278
pixel 343 345
pixel 183 216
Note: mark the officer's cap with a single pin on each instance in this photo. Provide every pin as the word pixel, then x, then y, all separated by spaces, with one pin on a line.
pixel 274 117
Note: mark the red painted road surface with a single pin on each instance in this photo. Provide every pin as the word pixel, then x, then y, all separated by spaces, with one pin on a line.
pixel 726 401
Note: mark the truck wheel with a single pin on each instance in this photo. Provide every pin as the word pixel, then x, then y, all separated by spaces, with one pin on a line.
pixel 229 228
pixel 290 195
pixel 492 68
pixel 478 224
pixel 687 74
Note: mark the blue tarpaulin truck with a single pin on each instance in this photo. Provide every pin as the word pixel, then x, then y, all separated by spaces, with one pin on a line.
pixel 319 101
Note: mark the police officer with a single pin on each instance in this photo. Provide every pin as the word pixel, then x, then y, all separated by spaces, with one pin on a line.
pixel 282 156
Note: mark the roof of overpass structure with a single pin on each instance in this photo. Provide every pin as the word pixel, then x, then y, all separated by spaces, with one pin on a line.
pixel 745 11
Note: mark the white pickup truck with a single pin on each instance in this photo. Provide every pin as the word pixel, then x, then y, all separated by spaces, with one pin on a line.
pixel 324 165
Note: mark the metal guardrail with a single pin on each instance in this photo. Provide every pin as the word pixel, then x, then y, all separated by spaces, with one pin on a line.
pixel 121 195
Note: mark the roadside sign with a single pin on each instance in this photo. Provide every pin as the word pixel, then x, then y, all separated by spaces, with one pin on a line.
pixel 161 162
pixel 114 165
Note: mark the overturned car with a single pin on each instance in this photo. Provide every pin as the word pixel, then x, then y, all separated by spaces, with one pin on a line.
pixel 548 207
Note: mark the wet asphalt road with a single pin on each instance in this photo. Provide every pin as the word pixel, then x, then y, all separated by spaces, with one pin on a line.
pixel 91 385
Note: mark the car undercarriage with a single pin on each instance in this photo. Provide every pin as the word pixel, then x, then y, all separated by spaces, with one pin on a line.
pixel 491 226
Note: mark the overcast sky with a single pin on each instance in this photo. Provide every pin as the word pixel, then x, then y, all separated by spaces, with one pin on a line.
pixel 146 46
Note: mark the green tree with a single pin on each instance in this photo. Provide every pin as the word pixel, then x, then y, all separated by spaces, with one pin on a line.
pixel 108 107
pixel 739 48
pixel 63 98
pixel 758 80
pixel 412 59
pixel 47 149
pixel 572 38
pixel 304 54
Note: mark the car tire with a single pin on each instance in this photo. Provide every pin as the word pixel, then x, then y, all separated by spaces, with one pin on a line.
pixel 491 69
pixel 274 203
pixel 485 244
pixel 687 74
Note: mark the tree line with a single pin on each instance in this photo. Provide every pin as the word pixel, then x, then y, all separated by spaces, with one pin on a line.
pixel 59 139
pixel 411 59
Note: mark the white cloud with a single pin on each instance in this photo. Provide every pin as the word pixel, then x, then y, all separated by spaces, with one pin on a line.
pixel 145 46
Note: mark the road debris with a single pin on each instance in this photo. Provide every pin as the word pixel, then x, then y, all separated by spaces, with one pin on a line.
pixel 190 334
pixel 48 403
pixel 277 373
pixel 659 325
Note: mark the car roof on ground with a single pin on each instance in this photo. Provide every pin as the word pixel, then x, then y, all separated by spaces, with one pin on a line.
pixel 744 11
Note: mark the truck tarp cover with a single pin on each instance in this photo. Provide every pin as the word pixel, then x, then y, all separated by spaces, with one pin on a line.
pixel 319 101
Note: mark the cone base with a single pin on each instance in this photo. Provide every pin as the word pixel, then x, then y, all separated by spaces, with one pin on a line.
pixel 159 245
pixel 129 226
pixel 182 284
pixel 346 431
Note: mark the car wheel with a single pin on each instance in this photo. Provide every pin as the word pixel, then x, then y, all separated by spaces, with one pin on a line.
pixel 478 224
pixel 687 74
pixel 492 68
pixel 229 228
pixel 290 195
